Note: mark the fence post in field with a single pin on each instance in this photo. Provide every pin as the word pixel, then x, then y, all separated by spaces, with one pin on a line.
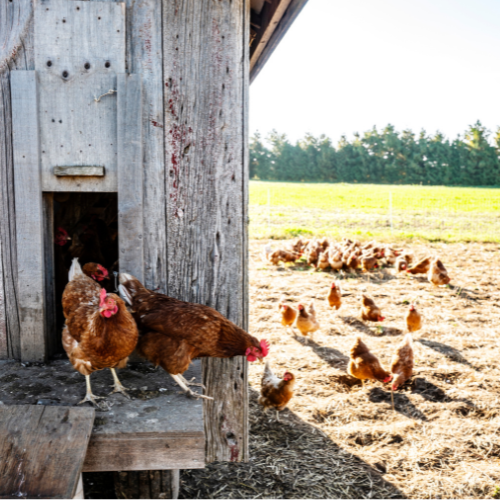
pixel 390 208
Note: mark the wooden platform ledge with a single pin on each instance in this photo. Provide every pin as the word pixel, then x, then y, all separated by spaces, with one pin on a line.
pixel 157 429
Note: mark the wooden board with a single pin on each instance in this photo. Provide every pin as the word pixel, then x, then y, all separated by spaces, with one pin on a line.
pixel 130 175
pixel 52 334
pixel 79 49
pixel 144 42
pixel 29 215
pixel 42 450
pixel 204 143
pixel 272 36
pixel 159 428
pixel 16 53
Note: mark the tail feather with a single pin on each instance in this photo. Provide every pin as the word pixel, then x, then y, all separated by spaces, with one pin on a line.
pixel 75 270
pixel 408 340
pixel 129 286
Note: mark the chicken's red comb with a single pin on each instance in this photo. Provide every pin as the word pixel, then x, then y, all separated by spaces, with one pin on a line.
pixel 62 230
pixel 264 348
pixel 103 270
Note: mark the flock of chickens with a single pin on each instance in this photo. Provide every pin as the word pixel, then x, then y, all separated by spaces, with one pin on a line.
pixel 102 329
pixel 349 256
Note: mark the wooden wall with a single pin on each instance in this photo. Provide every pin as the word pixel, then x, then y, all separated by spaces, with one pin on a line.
pixel 193 57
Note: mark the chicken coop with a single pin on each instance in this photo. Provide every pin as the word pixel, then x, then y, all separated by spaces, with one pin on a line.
pixel 125 141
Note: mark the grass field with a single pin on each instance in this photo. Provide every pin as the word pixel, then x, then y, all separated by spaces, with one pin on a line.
pixel 284 209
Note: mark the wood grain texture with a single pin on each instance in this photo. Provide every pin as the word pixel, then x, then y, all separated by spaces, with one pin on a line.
pixel 42 450
pixel 130 175
pixel 16 53
pixel 79 48
pixel 80 171
pixel 159 428
pixel 144 57
pixel 261 56
pixel 29 216
pixel 53 337
pixel 204 145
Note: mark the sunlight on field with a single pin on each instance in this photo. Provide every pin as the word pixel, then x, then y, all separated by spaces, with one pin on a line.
pixel 281 209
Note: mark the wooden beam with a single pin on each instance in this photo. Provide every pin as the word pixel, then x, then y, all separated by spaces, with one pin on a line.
pixel 42 450
pixel 130 175
pixel 82 171
pixel 144 57
pixel 264 46
pixel 270 16
pixel 16 53
pixel 205 81
pixel 29 215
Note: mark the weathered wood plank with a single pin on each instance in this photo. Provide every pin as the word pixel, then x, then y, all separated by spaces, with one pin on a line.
pixel 42 450
pixel 79 48
pixel 79 171
pixel 29 215
pixel 273 38
pixel 16 52
pixel 204 116
pixel 144 56
pixel 130 175
pixel 52 335
pixel 159 428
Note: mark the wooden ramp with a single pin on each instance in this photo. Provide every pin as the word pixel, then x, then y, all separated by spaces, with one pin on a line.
pixel 42 450
pixel 157 429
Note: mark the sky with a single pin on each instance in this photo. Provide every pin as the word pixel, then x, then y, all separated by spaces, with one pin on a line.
pixel 348 65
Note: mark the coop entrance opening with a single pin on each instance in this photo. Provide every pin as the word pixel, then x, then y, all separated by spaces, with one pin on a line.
pixel 86 227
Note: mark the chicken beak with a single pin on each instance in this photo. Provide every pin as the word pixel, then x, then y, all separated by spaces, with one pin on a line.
pixel 261 361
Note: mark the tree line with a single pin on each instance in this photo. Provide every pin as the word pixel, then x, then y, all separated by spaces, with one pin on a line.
pixel 386 157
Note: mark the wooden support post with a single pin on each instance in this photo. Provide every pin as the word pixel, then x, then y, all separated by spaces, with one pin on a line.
pixel 204 45
pixel 130 174
pixel 29 215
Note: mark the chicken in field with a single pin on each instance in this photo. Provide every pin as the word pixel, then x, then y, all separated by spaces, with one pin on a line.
pixel 335 296
pixel 421 267
pixel 312 253
pixel 401 264
pixel 277 256
pixel 369 311
pixel 288 314
pixel 306 321
pixel 335 258
pixel 364 365
pixel 438 275
pixel 369 263
pixel 174 332
pixel 275 392
pixel 413 319
pixel 99 331
pixel 402 362
pixel 323 261
pixel 352 262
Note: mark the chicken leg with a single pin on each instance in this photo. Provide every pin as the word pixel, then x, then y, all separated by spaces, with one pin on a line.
pixel 184 386
pixel 89 397
pixel 118 385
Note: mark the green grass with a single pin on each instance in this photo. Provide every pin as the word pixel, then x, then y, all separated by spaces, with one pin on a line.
pixel 285 209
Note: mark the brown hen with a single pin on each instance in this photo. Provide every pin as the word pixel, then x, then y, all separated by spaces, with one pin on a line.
pixel 174 332
pixel 276 392
pixel 99 331
pixel 364 365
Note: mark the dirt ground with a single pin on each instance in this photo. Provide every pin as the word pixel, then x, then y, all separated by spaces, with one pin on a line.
pixel 339 439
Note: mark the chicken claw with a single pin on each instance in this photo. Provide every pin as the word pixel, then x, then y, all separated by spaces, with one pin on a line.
pixel 118 387
pixel 190 382
pixel 89 397
pixel 184 386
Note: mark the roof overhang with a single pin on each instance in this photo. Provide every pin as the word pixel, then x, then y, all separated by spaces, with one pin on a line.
pixel 269 21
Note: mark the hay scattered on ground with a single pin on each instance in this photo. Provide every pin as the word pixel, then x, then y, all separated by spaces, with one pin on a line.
pixel 339 439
